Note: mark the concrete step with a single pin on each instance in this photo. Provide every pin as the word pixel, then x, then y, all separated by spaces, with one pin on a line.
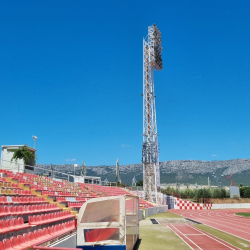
pixel 74 212
pixel 11 180
pixel 61 205
pixel 67 209
pixel 24 187
pixel 36 193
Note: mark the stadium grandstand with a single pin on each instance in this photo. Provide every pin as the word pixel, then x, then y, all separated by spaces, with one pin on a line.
pixel 38 210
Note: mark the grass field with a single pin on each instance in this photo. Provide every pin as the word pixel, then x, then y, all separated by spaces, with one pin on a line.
pixel 156 236
pixel 235 241
pixel 165 215
pixel 244 214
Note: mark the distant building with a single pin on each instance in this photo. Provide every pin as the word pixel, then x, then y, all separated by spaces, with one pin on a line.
pixel 88 179
pixel 18 165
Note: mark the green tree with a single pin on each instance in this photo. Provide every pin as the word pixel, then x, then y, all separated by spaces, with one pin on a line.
pixel 139 183
pixel 246 193
pixel 216 193
pixel 223 193
pixel 23 153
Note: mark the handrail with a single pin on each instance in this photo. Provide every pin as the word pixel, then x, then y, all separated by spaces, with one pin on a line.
pixel 35 167
pixel 44 169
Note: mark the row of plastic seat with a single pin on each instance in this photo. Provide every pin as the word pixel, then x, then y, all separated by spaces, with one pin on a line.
pixel 5 171
pixel 3 179
pixel 21 200
pixel 11 225
pixel 8 191
pixel 49 193
pixel 70 199
pixel 49 218
pixel 23 210
pixel 75 204
pixel 37 237
pixel 51 189
pixel 4 184
pixel 24 181
pixel 30 199
pixel 33 179
pixel 24 192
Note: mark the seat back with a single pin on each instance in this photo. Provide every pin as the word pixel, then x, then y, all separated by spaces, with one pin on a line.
pixel 10 223
pixel 37 234
pixel 41 232
pixel 14 242
pixel 21 239
pixel 16 222
pixel 32 236
pixel 1 245
pixel 27 237
pixel 21 222
pixel 7 244
pixel 46 232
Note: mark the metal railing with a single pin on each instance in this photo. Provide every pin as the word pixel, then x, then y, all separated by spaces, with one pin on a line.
pixel 21 168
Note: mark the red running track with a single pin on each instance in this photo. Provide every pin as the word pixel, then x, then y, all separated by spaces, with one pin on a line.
pixel 198 239
pixel 224 220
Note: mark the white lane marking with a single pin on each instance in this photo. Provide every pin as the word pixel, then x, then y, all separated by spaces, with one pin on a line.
pixel 185 236
pixel 223 230
pixel 213 237
pixel 226 222
pixel 194 234
pixel 179 237
pixel 231 218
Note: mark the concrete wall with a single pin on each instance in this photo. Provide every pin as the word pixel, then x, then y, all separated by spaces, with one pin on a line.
pixel 152 210
pixel 6 164
pixel 90 179
pixel 233 205
pixel 234 191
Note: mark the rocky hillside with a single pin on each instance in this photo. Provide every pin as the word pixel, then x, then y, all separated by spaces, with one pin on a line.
pixel 189 171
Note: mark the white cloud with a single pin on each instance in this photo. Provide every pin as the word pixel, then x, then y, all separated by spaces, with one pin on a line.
pixel 70 159
pixel 213 155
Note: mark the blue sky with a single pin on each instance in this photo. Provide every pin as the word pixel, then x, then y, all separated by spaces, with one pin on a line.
pixel 71 74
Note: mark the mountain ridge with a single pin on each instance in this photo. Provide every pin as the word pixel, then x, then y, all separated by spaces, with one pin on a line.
pixel 181 171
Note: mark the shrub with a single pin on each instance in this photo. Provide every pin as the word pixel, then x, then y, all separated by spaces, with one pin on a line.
pixel 246 193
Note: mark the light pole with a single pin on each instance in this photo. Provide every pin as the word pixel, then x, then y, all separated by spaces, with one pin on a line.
pixel 75 165
pixel 35 138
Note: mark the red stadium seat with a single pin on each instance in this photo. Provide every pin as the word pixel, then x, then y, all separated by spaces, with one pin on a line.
pixel 15 243
pixel 7 244
pixel 1 245
pixel 32 238
pixel 5 226
pixel 10 224
pixel 16 223
pixel 31 220
pixel 1 211
pixel 22 242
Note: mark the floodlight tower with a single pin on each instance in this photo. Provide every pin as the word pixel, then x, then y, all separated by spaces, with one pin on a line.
pixel 151 60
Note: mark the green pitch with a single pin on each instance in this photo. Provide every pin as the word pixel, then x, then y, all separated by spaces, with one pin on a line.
pixel 157 236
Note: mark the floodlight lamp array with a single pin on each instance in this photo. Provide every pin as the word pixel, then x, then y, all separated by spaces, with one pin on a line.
pixel 157 48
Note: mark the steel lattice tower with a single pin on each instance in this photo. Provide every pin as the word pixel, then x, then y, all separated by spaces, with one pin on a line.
pixel 150 156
